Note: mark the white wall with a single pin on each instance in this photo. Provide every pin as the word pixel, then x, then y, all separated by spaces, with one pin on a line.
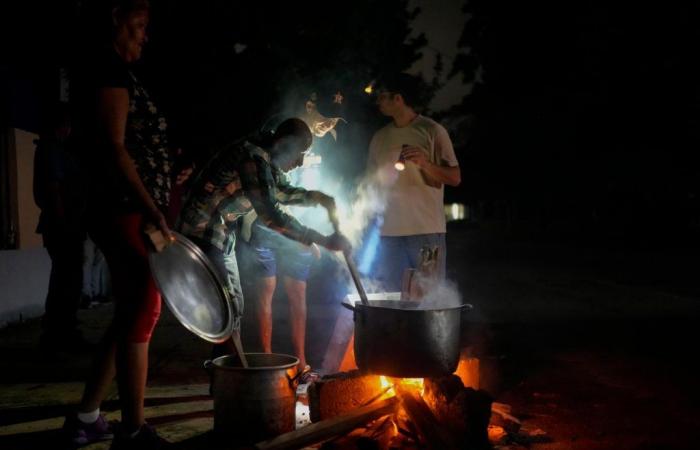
pixel 24 279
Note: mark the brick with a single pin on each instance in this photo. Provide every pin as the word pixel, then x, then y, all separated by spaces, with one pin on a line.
pixel 341 393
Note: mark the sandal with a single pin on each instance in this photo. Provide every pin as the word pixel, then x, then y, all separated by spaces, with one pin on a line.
pixel 308 376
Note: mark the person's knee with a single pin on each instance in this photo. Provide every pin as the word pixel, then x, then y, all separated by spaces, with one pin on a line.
pixel 138 311
pixel 295 288
pixel 267 286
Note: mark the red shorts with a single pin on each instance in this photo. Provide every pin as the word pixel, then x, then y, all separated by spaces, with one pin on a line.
pixel 137 305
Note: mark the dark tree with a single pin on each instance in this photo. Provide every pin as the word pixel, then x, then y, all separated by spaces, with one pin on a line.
pixel 583 112
pixel 226 67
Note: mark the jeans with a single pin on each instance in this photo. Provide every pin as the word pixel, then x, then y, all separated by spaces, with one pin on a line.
pixel 226 267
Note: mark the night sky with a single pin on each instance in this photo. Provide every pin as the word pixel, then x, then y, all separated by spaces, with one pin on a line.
pixel 585 112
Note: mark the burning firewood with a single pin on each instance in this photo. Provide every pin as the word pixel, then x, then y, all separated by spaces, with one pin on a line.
pixel 501 416
pixel 435 435
pixel 465 412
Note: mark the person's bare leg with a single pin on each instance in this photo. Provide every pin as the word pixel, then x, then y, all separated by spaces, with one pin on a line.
pixel 132 371
pixel 101 375
pixel 296 294
pixel 266 289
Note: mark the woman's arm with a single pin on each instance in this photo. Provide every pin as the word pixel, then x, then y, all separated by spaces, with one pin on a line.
pixel 112 110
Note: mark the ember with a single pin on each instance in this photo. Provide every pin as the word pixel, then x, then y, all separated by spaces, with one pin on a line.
pixel 412 384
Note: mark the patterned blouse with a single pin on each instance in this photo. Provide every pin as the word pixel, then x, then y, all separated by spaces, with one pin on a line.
pixel 145 140
pixel 147 143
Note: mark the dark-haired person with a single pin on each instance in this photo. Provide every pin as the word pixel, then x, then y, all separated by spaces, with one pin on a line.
pixel 126 149
pixel 414 216
pixel 59 192
pixel 247 179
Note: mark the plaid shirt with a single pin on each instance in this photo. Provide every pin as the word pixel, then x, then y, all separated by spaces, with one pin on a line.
pixel 236 181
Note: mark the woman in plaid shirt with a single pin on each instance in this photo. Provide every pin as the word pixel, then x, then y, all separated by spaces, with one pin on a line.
pixel 246 181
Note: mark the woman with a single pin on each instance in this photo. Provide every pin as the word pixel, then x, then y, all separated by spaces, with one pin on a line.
pixel 131 166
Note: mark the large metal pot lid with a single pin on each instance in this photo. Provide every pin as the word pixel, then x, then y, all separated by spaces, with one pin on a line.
pixel 192 290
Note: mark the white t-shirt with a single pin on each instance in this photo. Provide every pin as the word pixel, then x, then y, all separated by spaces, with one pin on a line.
pixel 414 204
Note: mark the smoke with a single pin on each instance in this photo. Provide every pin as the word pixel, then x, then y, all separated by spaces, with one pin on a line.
pixel 368 203
pixel 439 295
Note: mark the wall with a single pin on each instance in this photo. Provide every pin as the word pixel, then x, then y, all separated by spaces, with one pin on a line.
pixel 28 212
pixel 24 278
pixel 24 272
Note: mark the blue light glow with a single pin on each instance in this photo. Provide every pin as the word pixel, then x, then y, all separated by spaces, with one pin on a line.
pixel 370 247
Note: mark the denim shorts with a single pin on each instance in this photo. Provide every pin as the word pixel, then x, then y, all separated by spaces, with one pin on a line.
pixel 398 253
pixel 276 255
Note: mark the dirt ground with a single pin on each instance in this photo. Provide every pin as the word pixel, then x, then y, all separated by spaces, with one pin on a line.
pixel 593 344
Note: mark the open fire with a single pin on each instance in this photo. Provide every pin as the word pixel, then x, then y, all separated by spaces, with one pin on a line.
pixel 390 383
pixel 350 408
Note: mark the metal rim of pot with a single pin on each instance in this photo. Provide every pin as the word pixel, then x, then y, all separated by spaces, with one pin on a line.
pixel 354 308
pixel 211 363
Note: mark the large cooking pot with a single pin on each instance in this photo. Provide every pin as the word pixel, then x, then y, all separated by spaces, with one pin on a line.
pixel 254 403
pixel 400 339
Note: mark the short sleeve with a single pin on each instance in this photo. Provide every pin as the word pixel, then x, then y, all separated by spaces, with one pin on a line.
pixel 444 150
pixel 372 154
pixel 111 72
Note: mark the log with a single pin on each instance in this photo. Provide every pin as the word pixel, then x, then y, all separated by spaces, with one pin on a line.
pixel 464 411
pixel 328 428
pixel 500 416
pixel 435 435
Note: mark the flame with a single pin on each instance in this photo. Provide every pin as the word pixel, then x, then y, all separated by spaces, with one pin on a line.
pixel 370 88
pixel 408 383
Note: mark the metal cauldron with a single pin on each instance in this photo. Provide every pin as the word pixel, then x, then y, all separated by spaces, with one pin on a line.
pixel 399 339
pixel 254 403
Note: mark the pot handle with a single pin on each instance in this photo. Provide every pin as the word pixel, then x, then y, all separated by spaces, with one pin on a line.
pixel 208 366
pixel 467 306
pixel 348 306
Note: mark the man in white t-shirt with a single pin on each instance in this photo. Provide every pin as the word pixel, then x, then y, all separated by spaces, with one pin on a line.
pixel 414 215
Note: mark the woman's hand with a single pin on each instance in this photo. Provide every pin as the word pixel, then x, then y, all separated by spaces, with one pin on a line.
pixel 158 219
pixel 183 175
pixel 337 242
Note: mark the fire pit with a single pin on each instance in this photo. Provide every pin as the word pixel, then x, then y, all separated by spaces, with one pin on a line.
pixel 352 407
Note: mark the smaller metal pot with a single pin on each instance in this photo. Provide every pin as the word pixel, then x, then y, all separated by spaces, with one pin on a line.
pixel 254 403
pixel 398 339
